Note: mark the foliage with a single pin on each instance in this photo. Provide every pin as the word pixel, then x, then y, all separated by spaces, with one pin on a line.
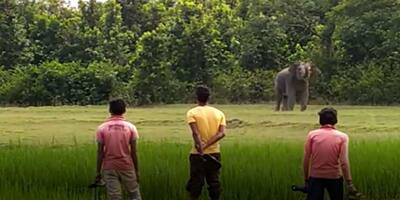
pixel 263 42
pixel 369 83
pixel 240 85
pixel 14 44
pixel 160 49
pixel 368 30
pixel 54 83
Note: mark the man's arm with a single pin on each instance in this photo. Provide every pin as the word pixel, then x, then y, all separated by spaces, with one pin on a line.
pixel 344 160
pixel 220 134
pixel 306 161
pixel 196 137
pixel 345 165
pixel 100 157
pixel 135 158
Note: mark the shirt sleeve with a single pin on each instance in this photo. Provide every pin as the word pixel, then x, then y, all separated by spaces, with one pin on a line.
pixel 190 117
pixel 223 120
pixel 100 135
pixel 344 158
pixel 134 132
pixel 307 154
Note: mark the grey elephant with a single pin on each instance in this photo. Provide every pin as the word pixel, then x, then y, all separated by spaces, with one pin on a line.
pixel 292 85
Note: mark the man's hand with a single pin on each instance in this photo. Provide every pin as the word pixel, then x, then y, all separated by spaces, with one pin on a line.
pixel 352 191
pixel 98 177
pixel 137 176
pixel 306 184
pixel 218 136
pixel 200 148
pixel 350 186
pixel 198 144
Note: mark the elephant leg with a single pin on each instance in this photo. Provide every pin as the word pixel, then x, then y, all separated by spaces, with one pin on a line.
pixel 291 99
pixel 279 98
pixel 304 100
pixel 284 103
pixel 291 95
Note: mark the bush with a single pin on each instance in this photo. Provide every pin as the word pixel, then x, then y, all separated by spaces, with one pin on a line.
pixel 244 86
pixel 369 83
pixel 148 87
pixel 54 83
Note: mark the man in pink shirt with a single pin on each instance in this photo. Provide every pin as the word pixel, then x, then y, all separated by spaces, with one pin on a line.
pixel 117 162
pixel 326 159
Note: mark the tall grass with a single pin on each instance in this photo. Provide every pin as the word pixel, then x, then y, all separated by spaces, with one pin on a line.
pixel 250 171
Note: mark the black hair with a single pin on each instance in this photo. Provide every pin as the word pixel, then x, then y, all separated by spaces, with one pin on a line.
pixel 117 107
pixel 202 93
pixel 328 116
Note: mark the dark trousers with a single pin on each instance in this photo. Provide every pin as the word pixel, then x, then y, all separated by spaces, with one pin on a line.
pixel 201 170
pixel 316 187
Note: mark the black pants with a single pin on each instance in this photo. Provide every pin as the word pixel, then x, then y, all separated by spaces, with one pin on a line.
pixel 316 187
pixel 200 170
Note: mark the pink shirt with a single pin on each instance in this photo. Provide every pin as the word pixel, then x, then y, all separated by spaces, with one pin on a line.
pixel 116 135
pixel 326 154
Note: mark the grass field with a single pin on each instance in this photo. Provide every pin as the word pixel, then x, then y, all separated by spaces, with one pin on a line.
pixel 49 152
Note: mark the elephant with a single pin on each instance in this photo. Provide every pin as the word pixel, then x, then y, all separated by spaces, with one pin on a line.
pixel 292 85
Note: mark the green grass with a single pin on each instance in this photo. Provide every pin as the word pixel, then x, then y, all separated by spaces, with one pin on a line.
pixel 49 153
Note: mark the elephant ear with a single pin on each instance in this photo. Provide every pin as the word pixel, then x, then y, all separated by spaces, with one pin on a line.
pixel 314 72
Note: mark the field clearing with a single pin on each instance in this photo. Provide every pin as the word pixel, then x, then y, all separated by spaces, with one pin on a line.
pixel 49 152
pixel 255 123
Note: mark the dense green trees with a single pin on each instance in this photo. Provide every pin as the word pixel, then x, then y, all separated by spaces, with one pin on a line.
pixel 156 51
pixel 15 47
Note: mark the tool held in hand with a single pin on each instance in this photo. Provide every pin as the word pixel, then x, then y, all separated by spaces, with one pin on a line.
pixel 98 183
pixel 298 188
pixel 212 162
pixel 353 194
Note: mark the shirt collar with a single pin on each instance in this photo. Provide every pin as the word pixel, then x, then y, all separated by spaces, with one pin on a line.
pixel 329 126
pixel 116 117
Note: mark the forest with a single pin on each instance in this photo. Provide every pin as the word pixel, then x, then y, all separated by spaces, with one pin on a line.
pixel 156 51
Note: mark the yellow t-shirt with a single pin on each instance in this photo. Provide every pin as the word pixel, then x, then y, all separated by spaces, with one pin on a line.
pixel 208 120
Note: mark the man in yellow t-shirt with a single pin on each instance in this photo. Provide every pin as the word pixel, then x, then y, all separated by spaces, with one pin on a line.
pixel 208 127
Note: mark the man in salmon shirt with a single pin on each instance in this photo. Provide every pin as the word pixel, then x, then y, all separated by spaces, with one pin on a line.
pixel 117 162
pixel 326 160
pixel 208 127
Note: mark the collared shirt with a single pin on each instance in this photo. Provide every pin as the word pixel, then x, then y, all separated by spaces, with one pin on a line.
pixel 326 154
pixel 116 134
pixel 208 120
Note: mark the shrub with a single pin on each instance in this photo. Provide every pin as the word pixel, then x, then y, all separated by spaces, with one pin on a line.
pixel 367 83
pixel 55 83
pixel 244 86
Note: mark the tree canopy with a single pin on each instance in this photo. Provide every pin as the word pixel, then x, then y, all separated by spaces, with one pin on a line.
pixel 156 51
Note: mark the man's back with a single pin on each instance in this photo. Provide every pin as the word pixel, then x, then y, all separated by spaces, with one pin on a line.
pixel 116 134
pixel 328 150
pixel 208 120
